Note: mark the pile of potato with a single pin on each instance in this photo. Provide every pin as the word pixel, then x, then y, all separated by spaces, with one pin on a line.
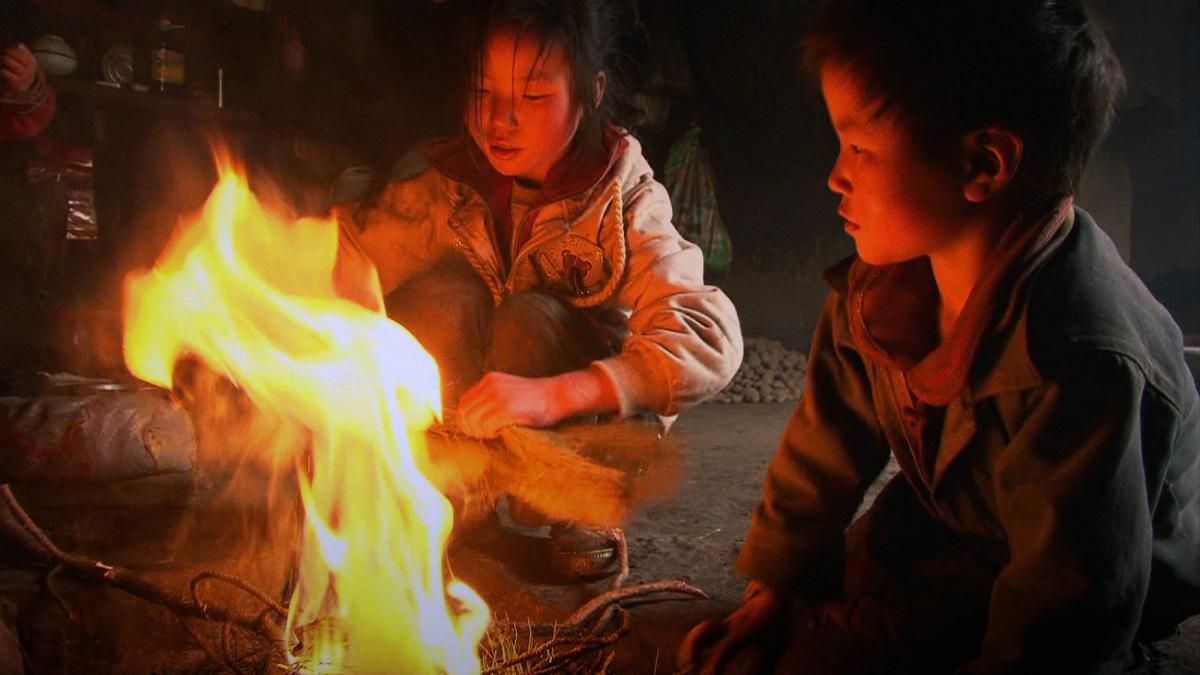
pixel 770 372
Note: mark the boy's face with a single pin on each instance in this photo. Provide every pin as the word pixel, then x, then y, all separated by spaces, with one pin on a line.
pixel 523 118
pixel 898 203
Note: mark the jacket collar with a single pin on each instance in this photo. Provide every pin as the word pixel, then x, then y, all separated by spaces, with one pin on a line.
pixel 578 171
pixel 893 308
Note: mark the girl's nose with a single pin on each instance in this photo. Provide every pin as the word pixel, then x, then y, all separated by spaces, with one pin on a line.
pixel 504 111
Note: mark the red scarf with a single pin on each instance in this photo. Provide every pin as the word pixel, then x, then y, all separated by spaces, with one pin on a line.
pixel 578 170
pixel 893 308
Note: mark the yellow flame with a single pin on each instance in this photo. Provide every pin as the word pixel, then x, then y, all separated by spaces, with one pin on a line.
pixel 251 293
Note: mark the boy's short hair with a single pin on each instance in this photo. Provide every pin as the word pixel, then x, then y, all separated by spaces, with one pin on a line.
pixel 1040 68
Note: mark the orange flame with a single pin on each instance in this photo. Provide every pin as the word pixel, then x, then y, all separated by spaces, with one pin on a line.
pixel 251 293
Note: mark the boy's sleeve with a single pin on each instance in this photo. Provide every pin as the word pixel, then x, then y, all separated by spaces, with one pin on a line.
pixel 1070 493
pixel 831 451
pixel 685 341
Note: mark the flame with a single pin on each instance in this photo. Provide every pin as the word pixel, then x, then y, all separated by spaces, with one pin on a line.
pixel 251 293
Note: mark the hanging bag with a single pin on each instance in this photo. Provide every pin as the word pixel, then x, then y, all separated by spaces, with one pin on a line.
pixel 689 180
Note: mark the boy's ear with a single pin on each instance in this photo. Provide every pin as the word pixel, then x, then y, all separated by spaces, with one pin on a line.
pixel 598 95
pixel 991 156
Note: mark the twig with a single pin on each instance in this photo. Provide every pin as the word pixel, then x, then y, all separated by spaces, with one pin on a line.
pixel 53 592
pixel 595 604
pixel 208 651
pixel 236 582
pixel 127 580
pixel 577 635
pixel 622 553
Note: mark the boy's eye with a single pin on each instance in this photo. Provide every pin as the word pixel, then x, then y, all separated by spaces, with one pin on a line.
pixel 536 97
pixel 855 149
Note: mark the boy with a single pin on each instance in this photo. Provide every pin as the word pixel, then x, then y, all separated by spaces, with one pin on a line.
pixel 1033 392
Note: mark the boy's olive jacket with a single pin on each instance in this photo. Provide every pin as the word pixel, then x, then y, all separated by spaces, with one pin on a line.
pixel 1071 437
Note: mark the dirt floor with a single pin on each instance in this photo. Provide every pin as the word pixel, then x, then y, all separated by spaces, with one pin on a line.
pixel 695 536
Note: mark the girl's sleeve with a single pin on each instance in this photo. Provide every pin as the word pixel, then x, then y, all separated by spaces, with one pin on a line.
pixel 685 341
pixel 832 449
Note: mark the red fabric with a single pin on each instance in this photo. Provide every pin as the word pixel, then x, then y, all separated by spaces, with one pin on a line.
pixel 18 127
pixel 893 310
pixel 460 159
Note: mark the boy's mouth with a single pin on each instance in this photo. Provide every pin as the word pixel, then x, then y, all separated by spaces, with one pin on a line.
pixel 851 226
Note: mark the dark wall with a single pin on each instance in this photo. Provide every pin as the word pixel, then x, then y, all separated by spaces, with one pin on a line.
pixel 373 78
pixel 1156 141
pixel 772 148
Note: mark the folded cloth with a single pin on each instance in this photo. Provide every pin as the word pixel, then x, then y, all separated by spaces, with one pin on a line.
pixel 93 438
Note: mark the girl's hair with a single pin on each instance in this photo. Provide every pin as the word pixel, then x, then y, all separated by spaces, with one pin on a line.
pixel 596 35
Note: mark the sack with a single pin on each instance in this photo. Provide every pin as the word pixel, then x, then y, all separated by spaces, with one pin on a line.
pixel 689 180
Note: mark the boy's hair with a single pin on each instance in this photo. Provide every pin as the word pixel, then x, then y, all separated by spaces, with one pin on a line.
pixel 943 68
pixel 596 36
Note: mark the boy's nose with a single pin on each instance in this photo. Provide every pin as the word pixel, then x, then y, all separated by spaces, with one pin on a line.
pixel 838 182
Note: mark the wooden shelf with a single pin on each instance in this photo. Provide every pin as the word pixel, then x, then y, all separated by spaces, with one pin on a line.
pixel 168 105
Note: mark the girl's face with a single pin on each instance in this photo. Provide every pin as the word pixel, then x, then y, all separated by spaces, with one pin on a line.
pixel 522 116
pixel 897 203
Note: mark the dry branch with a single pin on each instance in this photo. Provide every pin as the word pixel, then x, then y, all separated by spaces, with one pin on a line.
pixel 22 529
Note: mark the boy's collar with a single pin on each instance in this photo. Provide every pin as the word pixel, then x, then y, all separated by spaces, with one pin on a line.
pixel 893 308
pixel 459 158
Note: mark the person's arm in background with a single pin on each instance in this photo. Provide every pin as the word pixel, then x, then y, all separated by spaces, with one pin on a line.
pixel 27 102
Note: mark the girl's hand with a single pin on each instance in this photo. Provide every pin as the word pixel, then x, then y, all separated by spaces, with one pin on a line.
pixel 500 400
pixel 18 68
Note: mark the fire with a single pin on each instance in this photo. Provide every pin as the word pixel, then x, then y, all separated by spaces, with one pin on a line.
pixel 251 293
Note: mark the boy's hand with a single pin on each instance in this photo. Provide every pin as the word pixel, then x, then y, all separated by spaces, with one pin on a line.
pixel 712 644
pixel 500 400
pixel 18 69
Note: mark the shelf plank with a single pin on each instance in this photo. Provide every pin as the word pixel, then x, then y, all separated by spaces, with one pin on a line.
pixel 148 102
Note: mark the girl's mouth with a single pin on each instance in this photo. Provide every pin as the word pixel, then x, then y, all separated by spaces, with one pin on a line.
pixel 504 151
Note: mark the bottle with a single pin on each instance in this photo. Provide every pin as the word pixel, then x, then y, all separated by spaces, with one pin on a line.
pixel 168 71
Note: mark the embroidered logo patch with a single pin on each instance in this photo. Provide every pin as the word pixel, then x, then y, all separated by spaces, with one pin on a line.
pixel 572 265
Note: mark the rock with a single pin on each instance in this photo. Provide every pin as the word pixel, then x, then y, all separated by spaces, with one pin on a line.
pixel 770 372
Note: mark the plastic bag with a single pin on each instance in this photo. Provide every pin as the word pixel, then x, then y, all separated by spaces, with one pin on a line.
pixel 689 180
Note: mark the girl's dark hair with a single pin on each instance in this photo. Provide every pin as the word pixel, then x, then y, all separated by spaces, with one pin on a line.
pixel 596 35
pixel 942 68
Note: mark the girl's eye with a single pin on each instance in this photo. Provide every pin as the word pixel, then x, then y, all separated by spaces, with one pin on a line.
pixel 855 149
pixel 536 97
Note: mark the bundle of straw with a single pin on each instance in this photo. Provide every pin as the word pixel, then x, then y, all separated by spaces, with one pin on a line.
pixel 595 474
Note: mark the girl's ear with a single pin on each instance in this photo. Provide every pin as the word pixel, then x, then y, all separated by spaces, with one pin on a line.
pixel 991 156
pixel 598 90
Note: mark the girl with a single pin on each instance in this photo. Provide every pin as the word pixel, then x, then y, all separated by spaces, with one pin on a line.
pixel 533 253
